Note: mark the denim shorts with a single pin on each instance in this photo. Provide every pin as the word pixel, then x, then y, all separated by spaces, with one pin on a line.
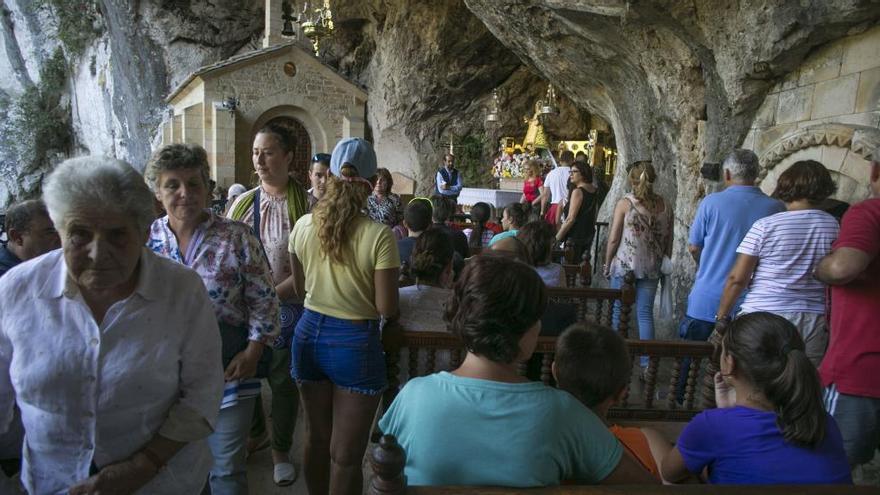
pixel 347 353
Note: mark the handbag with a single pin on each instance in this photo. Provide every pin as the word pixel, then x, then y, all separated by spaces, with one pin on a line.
pixel 235 340
pixel 666 310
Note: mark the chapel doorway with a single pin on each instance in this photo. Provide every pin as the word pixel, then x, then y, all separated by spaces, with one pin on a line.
pixel 302 154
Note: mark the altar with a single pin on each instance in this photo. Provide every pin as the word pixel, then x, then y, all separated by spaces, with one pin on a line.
pixel 498 198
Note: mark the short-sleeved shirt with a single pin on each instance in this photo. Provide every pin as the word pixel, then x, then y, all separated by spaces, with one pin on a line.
pixel 466 431
pixel 741 445
pixel 531 188
pixel 853 356
pixel 722 220
pixel 557 181
pixel 503 235
pixel 788 246
pixel 344 290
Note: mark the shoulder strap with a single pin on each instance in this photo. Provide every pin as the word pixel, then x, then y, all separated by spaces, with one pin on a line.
pixel 297 201
pixel 244 203
pixel 256 215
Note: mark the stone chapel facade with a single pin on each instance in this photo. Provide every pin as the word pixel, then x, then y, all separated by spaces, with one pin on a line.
pixel 222 106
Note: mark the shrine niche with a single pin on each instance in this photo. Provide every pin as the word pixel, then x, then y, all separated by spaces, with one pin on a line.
pixel 222 106
pixel 845 150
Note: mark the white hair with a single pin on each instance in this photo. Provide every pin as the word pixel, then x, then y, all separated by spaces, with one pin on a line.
pixel 98 183
pixel 742 164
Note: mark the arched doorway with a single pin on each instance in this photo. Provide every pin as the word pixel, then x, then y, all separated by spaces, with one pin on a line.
pixel 302 154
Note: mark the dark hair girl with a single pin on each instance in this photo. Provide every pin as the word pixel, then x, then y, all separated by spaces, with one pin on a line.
pixel 770 426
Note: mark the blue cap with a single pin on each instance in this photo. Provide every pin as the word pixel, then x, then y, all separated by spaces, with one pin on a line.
pixel 356 152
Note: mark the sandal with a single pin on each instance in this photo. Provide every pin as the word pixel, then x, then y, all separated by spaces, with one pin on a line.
pixel 285 474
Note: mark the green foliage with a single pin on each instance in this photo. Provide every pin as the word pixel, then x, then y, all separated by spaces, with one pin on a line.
pixel 471 161
pixel 38 121
pixel 77 21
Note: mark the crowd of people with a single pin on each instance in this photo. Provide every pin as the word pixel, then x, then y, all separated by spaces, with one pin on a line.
pixel 132 358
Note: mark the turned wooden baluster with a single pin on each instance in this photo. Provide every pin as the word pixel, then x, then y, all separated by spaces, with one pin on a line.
pixel 627 299
pixel 713 365
pixel 392 357
pixel 546 368
pixel 432 361
pixel 413 362
pixel 690 387
pixel 624 401
pixel 586 271
pixel 671 401
pixel 522 368
pixel 455 358
pixel 651 381
pixel 387 460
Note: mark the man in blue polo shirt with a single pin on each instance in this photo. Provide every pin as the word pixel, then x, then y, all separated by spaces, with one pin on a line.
pixel 722 220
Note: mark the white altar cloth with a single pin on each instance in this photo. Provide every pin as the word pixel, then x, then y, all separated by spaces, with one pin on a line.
pixel 496 197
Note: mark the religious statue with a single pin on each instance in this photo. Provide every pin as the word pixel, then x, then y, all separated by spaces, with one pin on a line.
pixel 535 138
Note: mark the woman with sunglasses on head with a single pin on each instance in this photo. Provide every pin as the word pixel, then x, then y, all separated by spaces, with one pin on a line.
pixel 770 427
pixel 271 209
pixel 347 267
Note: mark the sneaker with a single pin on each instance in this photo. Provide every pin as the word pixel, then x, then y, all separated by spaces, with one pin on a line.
pixel 285 474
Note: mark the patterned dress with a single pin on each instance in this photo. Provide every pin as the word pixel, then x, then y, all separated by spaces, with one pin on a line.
pixel 387 210
pixel 644 237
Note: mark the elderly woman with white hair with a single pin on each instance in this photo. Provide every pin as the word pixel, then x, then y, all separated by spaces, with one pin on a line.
pixel 230 260
pixel 117 377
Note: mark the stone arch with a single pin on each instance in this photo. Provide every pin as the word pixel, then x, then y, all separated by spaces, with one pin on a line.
pixel 844 149
pixel 282 105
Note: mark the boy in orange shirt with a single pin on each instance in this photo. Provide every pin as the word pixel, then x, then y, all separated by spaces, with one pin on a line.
pixel 592 364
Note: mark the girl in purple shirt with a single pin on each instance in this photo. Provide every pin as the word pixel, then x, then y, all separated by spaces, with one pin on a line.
pixel 770 426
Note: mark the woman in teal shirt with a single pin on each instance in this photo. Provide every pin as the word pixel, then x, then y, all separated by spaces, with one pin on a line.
pixel 483 423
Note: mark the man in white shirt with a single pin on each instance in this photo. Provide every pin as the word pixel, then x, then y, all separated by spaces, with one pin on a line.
pixel 557 183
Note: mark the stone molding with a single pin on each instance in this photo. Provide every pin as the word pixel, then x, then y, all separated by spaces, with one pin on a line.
pixel 861 140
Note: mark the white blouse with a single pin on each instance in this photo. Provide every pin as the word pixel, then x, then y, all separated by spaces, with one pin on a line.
pixel 97 394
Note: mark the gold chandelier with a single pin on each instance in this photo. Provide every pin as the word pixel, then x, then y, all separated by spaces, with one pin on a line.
pixel 317 24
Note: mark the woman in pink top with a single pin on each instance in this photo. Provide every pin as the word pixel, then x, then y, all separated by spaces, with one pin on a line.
pixel 640 235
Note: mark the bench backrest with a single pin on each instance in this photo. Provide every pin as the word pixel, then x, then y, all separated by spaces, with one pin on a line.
pixel 674 387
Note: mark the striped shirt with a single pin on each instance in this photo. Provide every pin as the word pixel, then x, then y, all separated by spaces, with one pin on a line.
pixel 788 246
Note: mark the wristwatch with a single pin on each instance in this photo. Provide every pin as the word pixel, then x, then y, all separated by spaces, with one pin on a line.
pixel 724 318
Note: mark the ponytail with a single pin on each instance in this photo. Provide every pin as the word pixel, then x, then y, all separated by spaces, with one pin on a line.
pixel 642 177
pixel 769 353
pixel 431 255
pixel 341 205
pixel 796 395
pixel 479 216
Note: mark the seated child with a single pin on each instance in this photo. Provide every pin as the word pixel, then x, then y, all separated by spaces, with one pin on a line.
pixel 483 423
pixel 539 238
pixel 770 426
pixel 593 365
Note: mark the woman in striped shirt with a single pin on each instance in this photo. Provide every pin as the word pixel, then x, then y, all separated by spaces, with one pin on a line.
pixel 777 256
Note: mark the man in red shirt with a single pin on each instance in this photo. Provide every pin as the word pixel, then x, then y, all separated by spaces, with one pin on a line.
pixel 851 365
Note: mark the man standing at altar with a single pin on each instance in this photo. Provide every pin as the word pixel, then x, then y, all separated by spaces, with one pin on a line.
pixel 448 178
pixel 557 183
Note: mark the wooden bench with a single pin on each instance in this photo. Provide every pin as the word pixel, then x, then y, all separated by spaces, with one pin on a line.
pixel 387 460
pixel 640 404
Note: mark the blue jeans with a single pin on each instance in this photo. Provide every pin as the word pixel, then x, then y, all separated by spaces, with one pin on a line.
pixel 228 445
pixel 347 353
pixel 646 289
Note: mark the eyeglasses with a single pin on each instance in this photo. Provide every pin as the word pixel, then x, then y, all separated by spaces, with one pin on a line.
pixel 321 157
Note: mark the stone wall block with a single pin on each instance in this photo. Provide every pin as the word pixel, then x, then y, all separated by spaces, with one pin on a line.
pixel 833 157
pixel 766 116
pixel 856 167
pixel 794 105
pixel 862 52
pixel 835 97
pixel 771 135
pixel 824 65
pixel 868 96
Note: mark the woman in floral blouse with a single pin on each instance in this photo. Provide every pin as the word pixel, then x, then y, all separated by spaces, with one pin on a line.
pixel 383 206
pixel 236 273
